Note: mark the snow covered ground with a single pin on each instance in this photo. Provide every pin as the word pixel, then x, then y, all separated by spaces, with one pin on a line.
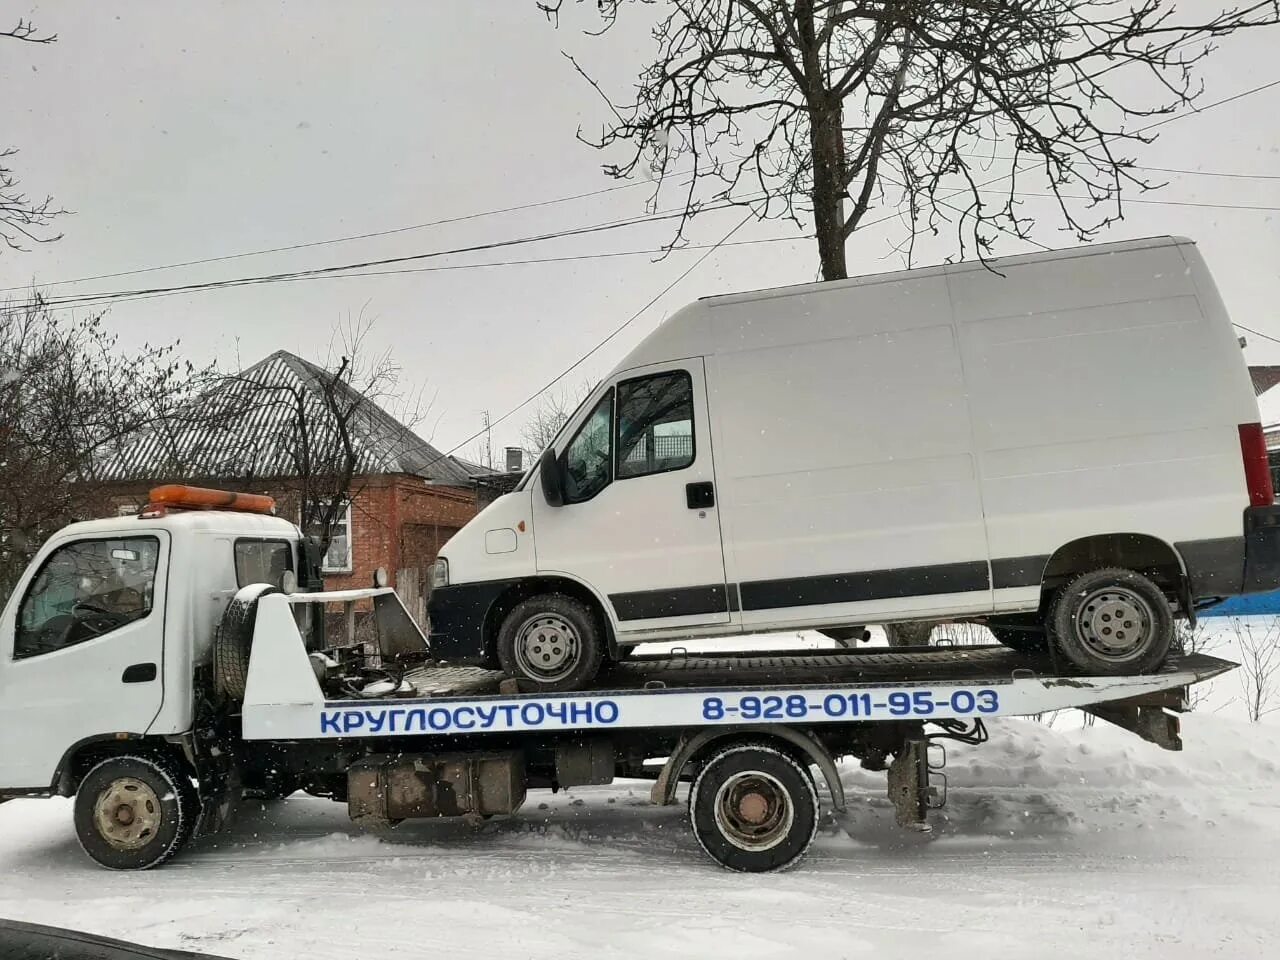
pixel 1056 841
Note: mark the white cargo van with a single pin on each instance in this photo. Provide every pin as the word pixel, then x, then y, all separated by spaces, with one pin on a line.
pixel 1064 446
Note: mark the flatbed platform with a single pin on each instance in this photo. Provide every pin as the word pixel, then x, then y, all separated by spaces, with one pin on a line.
pixel 916 665
pixel 927 683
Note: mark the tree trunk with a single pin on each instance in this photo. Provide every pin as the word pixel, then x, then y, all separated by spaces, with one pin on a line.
pixel 827 145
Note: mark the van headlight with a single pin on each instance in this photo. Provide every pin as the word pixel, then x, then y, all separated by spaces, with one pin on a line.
pixel 440 573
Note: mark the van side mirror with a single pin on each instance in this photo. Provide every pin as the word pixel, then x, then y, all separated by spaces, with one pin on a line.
pixel 552 481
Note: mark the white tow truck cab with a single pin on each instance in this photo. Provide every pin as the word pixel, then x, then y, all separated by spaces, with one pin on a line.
pixel 160 667
pixel 1064 446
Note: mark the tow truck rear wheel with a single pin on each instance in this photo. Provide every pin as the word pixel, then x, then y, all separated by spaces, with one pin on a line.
pixel 753 808
pixel 134 812
pixel 552 642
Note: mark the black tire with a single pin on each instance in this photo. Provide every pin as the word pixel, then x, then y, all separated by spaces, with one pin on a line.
pixel 909 633
pixel 232 642
pixel 782 831
pixel 155 796
pixel 1112 622
pixel 551 642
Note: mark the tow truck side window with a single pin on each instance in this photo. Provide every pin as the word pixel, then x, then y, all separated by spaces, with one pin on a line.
pixel 85 590
pixel 262 561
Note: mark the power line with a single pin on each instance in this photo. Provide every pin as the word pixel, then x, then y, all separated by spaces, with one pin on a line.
pixel 1143 166
pixel 616 330
pixel 1151 126
pixel 1194 111
pixel 649 252
pixel 123 295
pixel 1256 333
pixel 1167 203
pixel 355 236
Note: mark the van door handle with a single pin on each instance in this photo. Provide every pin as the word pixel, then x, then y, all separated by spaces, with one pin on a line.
pixel 139 673
pixel 700 495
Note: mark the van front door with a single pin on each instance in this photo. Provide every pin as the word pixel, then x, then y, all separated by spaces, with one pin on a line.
pixel 640 522
pixel 81 648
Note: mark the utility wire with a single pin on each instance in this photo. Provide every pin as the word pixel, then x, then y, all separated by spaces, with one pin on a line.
pixel 650 252
pixel 616 330
pixel 1256 333
pixel 119 295
pixel 1166 203
pixel 355 236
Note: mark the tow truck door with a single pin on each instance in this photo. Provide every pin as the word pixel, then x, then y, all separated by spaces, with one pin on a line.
pixel 81 650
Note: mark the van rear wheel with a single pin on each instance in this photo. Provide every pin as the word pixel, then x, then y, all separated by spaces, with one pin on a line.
pixel 1113 622
pixel 552 642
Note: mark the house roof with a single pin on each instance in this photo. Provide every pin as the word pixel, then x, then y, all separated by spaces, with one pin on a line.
pixel 244 426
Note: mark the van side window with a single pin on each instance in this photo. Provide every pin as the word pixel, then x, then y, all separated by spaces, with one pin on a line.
pixel 85 590
pixel 655 424
pixel 588 460
pixel 262 561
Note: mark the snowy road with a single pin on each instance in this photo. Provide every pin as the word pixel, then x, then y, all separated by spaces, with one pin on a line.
pixel 1054 843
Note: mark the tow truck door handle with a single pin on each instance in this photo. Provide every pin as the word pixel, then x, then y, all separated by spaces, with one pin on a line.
pixel 139 673
pixel 700 495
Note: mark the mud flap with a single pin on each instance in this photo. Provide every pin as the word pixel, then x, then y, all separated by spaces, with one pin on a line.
pixel 220 792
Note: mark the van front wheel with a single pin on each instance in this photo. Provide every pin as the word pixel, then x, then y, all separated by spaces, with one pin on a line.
pixel 1112 621
pixel 552 642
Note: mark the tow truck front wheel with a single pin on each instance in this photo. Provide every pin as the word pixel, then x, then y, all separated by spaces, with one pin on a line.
pixel 753 808
pixel 551 642
pixel 134 812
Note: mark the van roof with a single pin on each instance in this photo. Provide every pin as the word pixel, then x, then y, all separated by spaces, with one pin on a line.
pixel 1065 253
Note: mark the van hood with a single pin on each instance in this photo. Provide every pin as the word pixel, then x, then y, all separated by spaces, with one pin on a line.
pixel 497 544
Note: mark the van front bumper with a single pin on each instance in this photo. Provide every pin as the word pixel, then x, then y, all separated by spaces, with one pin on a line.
pixel 458 614
pixel 1231 566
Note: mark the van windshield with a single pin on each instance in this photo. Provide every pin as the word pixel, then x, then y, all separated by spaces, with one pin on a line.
pixel 564 422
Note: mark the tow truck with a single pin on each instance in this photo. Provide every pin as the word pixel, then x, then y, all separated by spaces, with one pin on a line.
pixel 159 668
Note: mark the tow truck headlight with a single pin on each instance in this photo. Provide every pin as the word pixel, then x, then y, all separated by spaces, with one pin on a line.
pixel 440 573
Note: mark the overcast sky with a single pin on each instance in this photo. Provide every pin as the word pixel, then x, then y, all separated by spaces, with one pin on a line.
pixel 183 131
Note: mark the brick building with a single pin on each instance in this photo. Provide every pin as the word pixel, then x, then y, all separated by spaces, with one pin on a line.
pixel 406 498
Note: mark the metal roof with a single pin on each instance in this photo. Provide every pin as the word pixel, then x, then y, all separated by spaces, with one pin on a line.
pixel 245 426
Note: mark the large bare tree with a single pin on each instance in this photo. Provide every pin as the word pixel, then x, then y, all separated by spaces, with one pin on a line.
pixel 22 218
pixel 830 110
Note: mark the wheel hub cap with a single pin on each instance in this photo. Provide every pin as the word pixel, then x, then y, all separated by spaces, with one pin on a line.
pixel 1115 623
pixel 127 814
pixel 753 810
pixel 547 647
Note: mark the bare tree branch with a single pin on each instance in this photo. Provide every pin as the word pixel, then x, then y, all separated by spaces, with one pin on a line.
pixel 23 219
pixel 26 30
pixel 1259 674
pixel 817 102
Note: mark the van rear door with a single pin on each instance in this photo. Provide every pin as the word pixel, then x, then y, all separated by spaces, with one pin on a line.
pixel 640 523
